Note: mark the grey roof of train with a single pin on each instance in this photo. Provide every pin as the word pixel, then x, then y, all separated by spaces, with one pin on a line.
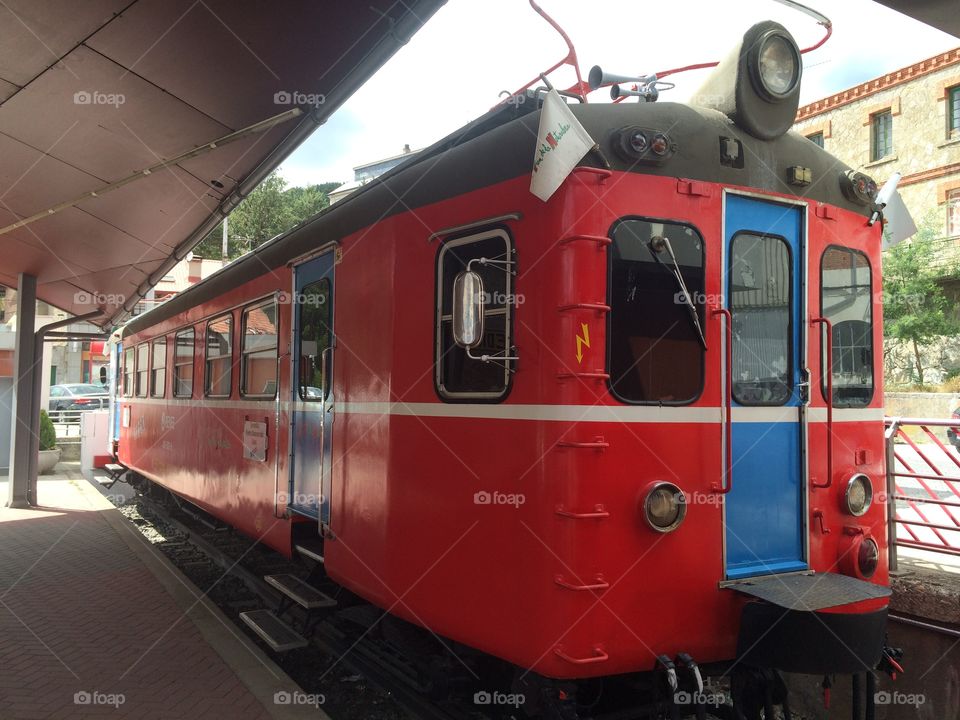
pixel 499 146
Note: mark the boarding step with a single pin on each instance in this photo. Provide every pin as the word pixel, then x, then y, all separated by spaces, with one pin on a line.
pixel 103 478
pixel 312 549
pixel 302 593
pixel 273 631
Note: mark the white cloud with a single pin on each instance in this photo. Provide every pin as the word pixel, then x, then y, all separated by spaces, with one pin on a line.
pixel 455 67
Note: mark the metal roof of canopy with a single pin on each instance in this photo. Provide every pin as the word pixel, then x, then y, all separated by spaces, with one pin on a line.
pixel 128 129
pixel 941 14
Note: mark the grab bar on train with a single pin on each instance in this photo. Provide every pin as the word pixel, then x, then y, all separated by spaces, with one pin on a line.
pixel 726 371
pixel 822 321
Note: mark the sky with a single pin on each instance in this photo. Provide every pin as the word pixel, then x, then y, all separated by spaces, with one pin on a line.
pixel 455 67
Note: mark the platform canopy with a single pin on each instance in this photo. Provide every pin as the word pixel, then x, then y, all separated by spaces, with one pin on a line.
pixel 129 128
pixel 941 14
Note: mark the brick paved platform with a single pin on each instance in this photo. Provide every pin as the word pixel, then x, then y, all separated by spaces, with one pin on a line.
pixel 95 623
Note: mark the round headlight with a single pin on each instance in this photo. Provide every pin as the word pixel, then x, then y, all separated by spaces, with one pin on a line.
pixel 778 66
pixel 859 494
pixel 868 557
pixel 664 507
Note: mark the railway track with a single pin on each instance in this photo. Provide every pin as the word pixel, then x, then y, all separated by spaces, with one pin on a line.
pixel 344 665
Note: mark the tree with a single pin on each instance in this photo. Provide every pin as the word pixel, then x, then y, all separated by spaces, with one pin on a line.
pixel 48 435
pixel 916 310
pixel 270 209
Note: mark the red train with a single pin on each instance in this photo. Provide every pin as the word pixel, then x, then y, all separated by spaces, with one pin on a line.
pixel 632 431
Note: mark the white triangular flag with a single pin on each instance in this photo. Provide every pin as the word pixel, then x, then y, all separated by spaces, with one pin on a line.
pixel 561 143
pixel 898 224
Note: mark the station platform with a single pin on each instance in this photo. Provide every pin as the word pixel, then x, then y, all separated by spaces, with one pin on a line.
pixel 95 623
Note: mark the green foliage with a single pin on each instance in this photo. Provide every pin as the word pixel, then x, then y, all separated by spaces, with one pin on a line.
pixel 269 210
pixel 48 436
pixel 916 310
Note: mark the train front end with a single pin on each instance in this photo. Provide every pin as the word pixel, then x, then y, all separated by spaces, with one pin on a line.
pixel 735 319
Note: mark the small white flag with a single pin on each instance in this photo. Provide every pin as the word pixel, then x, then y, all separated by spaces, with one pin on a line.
pixel 561 143
pixel 898 224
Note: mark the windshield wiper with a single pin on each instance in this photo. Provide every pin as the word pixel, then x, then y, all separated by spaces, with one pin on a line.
pixel 659 243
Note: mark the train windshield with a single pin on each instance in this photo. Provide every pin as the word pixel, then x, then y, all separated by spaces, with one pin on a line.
pixel 655 346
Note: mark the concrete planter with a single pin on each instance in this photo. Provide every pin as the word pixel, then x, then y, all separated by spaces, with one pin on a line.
pixel 48 460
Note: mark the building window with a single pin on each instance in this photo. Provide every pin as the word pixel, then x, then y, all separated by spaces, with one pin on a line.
pixel 143 358
pixel 655 352
pixel 953 111
pixel 953 212
pixel 158 369
pixel 845 300
pixel 459 375
pixel 128 372
pixel 219 364
pixel 258 356
pixel 183 364
pixel 881 130
pixel 816 139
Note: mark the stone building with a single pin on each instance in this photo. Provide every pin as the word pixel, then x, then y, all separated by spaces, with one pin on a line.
pixel 907 121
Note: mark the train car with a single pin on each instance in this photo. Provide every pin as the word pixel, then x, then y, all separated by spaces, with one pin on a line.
pixel 634 431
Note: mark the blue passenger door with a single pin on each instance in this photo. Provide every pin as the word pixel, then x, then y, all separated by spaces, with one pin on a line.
pixel 312 401
pixel 764 511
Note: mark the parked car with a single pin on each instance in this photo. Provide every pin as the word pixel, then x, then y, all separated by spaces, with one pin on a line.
pixel 952 432
pixel 78 396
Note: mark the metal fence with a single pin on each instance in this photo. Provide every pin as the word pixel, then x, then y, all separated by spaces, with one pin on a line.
pixel 923 486
pixel 66 423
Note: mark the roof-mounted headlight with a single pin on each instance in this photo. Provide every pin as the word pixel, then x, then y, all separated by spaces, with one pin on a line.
pixel 776 66
pixel 758 84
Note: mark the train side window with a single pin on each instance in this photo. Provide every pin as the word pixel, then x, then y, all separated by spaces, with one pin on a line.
pixel 183 364
pixel 258 356
pixel 143 358
pixel 128 372
pixel 314 307
pixel 655 352
pixel 219 354
pixel 457 375
pixel 158 368
pixel 846 301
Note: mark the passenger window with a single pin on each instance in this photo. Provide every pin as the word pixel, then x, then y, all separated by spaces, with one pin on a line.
pixel 457 375
pixel 315 307
pixel 128 372
pixel 183 364
pixel 219 348
pixel 845 300
pixel 258 362
pixel 760 286
pixel 158 370
pixel 143 357
pixel 655 350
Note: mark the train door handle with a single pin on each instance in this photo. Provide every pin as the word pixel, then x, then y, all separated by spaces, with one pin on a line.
pixel 726 372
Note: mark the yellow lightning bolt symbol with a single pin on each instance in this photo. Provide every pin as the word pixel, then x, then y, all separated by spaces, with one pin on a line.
pixel 582 341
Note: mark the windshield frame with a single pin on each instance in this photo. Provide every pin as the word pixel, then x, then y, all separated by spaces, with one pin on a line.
pixel 700 293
